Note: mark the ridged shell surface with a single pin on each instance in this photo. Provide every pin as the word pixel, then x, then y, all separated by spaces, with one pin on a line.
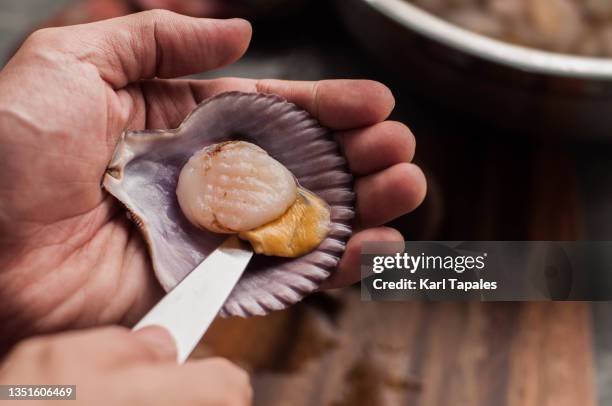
pixel 144 172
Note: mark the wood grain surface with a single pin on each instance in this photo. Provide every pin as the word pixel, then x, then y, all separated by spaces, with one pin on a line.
pixel 436 354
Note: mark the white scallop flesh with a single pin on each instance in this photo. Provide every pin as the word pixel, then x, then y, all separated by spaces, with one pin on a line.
pixel 234 186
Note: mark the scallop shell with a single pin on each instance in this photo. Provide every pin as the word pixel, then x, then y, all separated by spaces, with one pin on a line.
pixel 144 171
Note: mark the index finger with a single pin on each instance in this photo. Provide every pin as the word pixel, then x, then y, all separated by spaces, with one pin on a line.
pixel 338 104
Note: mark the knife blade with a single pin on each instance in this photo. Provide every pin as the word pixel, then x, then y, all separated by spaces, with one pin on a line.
pixel 188 310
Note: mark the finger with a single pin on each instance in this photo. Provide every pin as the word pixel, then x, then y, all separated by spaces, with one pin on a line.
pixel 337 104
pixel 105 347
pixel 213 381
pixel 119 346
pixel 377 147
pixel 389 194
pixel 349 269
pixel 208 8
pixel 152 43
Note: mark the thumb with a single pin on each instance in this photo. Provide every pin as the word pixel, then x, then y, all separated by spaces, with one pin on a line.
pixel 113 346
pixel 156 43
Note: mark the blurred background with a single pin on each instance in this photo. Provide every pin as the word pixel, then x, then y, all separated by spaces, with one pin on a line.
pixel 495 173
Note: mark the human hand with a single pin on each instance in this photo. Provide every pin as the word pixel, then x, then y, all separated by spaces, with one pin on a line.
pixel 112 366
pixel 68 256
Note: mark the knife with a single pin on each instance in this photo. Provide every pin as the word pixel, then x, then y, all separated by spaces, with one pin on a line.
pixel 188 310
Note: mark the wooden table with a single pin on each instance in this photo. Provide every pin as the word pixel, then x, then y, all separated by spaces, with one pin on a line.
pixel 340 351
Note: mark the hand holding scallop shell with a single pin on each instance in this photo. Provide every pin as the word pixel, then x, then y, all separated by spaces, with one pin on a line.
pixel 75 238
pixel 228 186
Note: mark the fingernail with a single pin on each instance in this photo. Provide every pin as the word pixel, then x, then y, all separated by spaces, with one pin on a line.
pixel 159 340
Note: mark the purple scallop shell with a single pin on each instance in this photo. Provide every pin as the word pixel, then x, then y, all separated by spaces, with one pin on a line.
pixel 145 169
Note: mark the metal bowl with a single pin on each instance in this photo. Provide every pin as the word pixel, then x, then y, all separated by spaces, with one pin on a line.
pixel 514 87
